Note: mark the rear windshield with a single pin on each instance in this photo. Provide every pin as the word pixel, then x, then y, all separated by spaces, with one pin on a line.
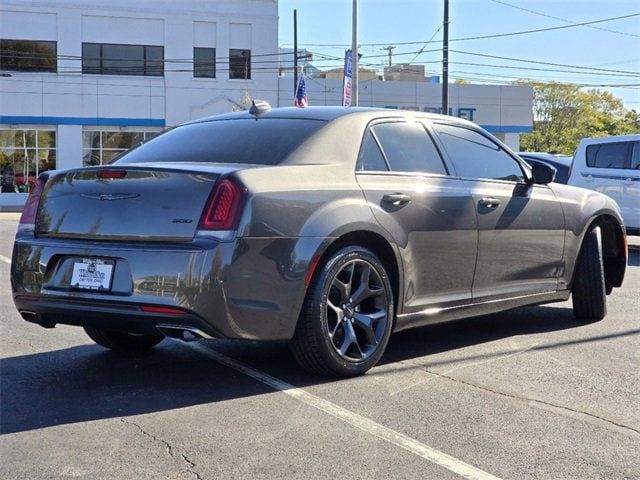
pixel 263 142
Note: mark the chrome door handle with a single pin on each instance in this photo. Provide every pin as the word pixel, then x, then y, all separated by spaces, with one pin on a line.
pixel 396 198
pixel 489 202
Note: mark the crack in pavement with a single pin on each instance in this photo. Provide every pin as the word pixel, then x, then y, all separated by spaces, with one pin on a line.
pixel 169 449
pixel 532 400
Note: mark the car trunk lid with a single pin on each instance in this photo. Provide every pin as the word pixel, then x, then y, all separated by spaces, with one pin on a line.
pixel 150 202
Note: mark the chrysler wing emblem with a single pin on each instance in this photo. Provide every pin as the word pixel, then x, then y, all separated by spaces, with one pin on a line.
pixel 110 196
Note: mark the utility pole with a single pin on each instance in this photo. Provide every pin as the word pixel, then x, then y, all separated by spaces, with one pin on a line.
pixel 390 49
pixel 295 52
pixel 445 61
pixel 354 54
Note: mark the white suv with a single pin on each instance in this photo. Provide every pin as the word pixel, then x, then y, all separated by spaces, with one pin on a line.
pixel 611 165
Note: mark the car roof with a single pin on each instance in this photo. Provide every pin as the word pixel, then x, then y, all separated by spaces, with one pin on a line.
pixel 332 113
pixel 610 139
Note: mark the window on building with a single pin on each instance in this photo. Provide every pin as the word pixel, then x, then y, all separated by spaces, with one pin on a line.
pixel 25 154
pixel 28 56
pixel 116 59
pixel 101 147
pixel 204 62
pixel 239 64
pixel 476 157
pixel 408 148
pixel 609 155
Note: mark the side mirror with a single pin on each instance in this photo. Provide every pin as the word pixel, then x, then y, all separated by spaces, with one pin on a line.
pixel 541 173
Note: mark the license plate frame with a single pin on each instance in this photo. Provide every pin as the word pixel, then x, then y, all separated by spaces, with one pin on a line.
pixel 92 274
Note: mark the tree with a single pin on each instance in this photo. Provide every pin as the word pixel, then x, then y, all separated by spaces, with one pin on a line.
pixel 563 114
pixel 243 104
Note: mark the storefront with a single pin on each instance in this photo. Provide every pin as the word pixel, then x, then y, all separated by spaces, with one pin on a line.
pixel 80 82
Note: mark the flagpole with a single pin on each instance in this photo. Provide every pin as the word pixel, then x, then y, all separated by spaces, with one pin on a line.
pixel 295 51
pixel 354 54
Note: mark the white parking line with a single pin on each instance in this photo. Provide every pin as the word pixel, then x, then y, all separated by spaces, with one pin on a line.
pixel 398 439
pixel 5 259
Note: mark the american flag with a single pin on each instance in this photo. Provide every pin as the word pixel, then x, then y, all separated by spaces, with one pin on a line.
pixel 301 94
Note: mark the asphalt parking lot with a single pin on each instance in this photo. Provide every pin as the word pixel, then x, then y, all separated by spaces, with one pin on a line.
pixel 523 394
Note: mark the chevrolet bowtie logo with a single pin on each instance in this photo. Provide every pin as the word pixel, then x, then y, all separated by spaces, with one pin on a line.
pixel 110 196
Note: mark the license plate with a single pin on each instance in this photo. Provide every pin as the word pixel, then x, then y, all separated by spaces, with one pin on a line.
pixel 92 274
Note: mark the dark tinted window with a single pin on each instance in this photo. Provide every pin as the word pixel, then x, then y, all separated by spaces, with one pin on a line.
pixel 116 59
pixel 204 62
pixel 28 56
pixel 609 155
pixel 262 142
pixel 370 158
pixel 635 158
pixel 239 63
pixel 408 148
pixel 475 156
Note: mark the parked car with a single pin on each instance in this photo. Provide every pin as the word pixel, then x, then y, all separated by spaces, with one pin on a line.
pixel 561 163
pixel 327 227
pixel 611 165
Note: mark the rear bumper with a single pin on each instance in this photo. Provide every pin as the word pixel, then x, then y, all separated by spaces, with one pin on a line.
pixel 48 311
pixel 251 288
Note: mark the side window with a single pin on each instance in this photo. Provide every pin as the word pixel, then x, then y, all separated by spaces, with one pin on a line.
pixel 408 148
pixel 635 158
pixel 475 156
pixel 608 155
pixel 370 158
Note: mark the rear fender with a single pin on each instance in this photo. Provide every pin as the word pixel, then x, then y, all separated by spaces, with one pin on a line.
pixel 584 209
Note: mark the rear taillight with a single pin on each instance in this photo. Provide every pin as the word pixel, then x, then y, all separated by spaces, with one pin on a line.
pixel 33 201
pixel 223 209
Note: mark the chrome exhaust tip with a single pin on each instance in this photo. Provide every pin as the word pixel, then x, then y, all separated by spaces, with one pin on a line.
pixel 182 332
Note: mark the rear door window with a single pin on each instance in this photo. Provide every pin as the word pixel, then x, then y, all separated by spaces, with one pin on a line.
pixel 609 155
pixel 371 158
pixel 408 148
pixel 475 156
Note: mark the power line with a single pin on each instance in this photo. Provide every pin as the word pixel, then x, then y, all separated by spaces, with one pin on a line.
pixel 548 29
pixel 482 37
pixel 562 19
pixel 538 62
pixel 421 51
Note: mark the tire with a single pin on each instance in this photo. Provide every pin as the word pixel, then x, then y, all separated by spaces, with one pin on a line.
pixel 122 341
pixel 589 288
pixel 347 317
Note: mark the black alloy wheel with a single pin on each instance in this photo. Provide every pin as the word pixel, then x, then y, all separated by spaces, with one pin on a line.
pixel 348 315
pixel 356 310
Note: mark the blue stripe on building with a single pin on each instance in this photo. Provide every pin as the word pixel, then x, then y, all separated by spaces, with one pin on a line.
pixel 160 122
pixel 100 121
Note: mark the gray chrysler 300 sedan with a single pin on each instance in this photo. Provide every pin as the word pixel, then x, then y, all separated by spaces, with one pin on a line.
pixel 328 227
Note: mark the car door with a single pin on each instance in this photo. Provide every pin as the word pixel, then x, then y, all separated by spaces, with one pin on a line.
pixel 520 225
pixel 429 213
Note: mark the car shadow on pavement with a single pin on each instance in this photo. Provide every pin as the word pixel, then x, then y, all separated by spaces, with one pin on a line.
pixel 86 382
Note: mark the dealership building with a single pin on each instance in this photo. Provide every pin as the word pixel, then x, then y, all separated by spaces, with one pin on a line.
pixel 81 82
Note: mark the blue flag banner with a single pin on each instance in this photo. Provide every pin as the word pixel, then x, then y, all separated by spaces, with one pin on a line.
pixel 301 94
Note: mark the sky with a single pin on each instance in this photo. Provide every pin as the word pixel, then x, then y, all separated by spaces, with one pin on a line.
pixel 612 45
